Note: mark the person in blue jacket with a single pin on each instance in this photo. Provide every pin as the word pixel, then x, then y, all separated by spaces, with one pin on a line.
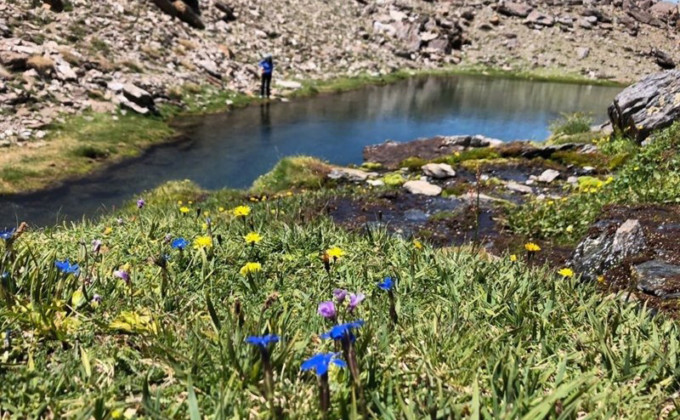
pixel 267 67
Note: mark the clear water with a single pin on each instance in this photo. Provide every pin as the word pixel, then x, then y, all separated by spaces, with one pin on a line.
pixel 231 150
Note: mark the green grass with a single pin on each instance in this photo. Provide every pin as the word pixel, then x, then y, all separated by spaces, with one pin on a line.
pixel 476 338
pixel 570 124
pixel 292 173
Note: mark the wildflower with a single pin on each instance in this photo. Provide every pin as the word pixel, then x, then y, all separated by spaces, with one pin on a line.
pixel 96 300
pixel 4 275
pixel 123 275
pixel 184 210
pixel 386 284
pixel 341 331
pixel 179 202
pixel 179 243
pixel 327 309
pixel 340 295
pixel 108 230
pixel 262 341
pixel 251 268
pixel 600 279
pixel 140 203
pixel 513 258
pixel 241 211
pixel 253 238
pixel 569 229
pixel 67 268
pixel 202 242
pixel 120 221
pixel 221 209
pixel 532 247
pixel 566 272
pixel 96 246
pixel 7 234
pixel 417 244
pixel 355 300
pixel 335 252
pixel 320 362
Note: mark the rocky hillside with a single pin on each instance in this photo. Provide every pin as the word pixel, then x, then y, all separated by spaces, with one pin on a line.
pixel 65 56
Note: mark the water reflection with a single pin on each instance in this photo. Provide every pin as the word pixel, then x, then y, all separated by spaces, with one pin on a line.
pixel 231 150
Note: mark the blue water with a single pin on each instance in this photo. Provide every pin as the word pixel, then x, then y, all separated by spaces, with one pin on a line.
pixel 232 149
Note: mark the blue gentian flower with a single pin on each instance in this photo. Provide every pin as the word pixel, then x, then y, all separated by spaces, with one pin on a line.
pixel 386 284
pixel 7 234
pixel 341 331
pixel 319 363
pixel 66 267
pixel 262 341
pixel 4 275
pixel 180 243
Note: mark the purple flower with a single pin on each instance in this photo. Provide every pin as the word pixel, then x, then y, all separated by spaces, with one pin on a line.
pixel 386 284
pixel 355 300
pixel 262 341
pixel 6 234
pixel 97 298
pixel 319 363
pixel 140 203
pixel 122 274
pixel 327 309
pixel 96 246
pixel 340 294
pixel 341 331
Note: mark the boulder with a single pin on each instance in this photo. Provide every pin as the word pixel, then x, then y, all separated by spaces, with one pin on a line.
pixel 514 9
pixel 14 61
pixel 645 17
pixel 349 174
pixel 517 187
pixel 438 170
pixel 137 99
pixel 65 72
pixel 55 5
pixel 662 59
pixel 582 52
pixel 422 188
pixel 607 246
pixel 658 278
pixel 537 18
pixel 650 104
pixel 664 10
pixel 180 10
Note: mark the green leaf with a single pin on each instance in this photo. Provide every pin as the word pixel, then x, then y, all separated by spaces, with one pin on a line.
pixel 194 414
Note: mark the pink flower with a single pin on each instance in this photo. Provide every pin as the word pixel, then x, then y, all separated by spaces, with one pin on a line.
pixel 355 300
pixel 340 295
pixel 122 274
pixel 327 309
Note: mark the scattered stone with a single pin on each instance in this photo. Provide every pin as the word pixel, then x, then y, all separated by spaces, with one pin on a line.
pixel 65 72
pixel 375 182
pixel 663 60
pixel 548 176
pixel 348 174
pixel 438 170
pixel 537 18
pixel 523 189
pixel 514 9
pixel 658 278
pixel 422 188
pixel 582 52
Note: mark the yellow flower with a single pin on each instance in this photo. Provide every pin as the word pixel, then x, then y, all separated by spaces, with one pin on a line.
pixel 600 279
pixel 637 168
pixel 566 272
pixel 550 202
pixel 205 226
pixel 221 209
pixel 117 414
pixel 179 202
pixel 206 213
pixel 417 244
pixel 513 257
pixel 254 199
pixel 569 229
pixel 253 238
pixel 250 268
pixel 184 210
pixel 335 252
pixel 108 230
pixel 241 211
pixel 532 247
pixel 289 193
pixel 191 202
pixel 203 242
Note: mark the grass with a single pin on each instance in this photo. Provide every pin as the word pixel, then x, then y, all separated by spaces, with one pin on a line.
pixel 475 337
pixel 570 124
pixel 292 173
pixel 646 175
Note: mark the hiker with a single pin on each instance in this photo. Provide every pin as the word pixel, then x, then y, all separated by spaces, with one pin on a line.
pixel 267 66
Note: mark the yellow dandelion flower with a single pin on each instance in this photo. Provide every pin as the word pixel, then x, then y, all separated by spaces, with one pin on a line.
pixel 335 252
pixel 600 279
pixel 250 268
pixel 184 210
pixel 566 272
pixel 289 193
pixel 417 244
pixel 532 247
pixel 637 168
pixel 513 257
pixel 253 238
pixel 117 414
pixel 241 211
pixel 254 199
pixel 221 209
pixel 108 230
pixel 179 202
pixel 203 242
pixel 569 229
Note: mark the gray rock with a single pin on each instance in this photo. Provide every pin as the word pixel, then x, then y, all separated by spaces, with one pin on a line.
pixel 537 18
pixel 422 188
pixel 438 170
pixel 658 278
pixel 349 174
pixel 548 176
pixel 138 96
pixel 582 52
pixel 607 247
pixel 523 189
pixel 65 72
pixel 652 103
pixel 514 9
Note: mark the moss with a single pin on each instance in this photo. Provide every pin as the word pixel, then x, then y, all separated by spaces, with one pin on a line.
pixel 371 166
pixel 484 153
pixel 589 137
pixel 393 179
pixel 292 172
pixel 442 215
pixel 413 163
pixel 456 190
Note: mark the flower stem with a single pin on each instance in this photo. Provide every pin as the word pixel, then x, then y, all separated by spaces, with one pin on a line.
pixel 351 357
pixel 393 310
pixel 324 395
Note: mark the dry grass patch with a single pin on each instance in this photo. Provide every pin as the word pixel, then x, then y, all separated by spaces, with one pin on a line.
pixel 41 64
pixel 188 44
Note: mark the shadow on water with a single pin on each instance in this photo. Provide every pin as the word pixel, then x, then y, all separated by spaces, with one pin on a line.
pixel 232 149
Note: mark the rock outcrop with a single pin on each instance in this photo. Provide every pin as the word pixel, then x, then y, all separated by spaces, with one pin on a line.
pixel 650 104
